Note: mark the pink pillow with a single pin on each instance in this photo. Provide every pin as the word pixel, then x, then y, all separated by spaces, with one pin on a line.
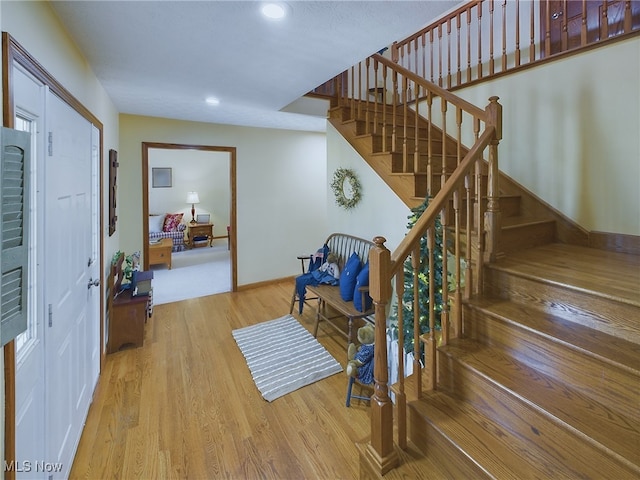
pixel 171 222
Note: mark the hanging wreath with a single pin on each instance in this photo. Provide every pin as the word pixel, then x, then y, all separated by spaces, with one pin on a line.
pixel 346 188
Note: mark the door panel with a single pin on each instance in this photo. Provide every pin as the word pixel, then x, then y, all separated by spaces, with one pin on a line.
pixel 68 247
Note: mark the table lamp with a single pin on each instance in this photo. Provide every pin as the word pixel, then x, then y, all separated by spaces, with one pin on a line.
pixel 192 198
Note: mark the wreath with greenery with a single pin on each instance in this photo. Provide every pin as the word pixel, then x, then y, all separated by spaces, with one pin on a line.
pixel 340 176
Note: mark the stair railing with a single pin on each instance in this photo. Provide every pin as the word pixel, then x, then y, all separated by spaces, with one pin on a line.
pixel 396 108
pixel 483 38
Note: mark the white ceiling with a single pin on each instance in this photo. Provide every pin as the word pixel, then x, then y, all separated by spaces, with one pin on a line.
pixel 163 58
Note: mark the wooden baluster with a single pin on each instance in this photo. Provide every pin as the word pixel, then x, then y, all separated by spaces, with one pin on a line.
pixel 431 343
pixel 491 60
pixel 627 16
pixel 352 109
pixel 416 152
pixel 479 216
pixel 385 146
pixel 401 397
pixel 374 127
pixel 424 53
pixel 504 36
pixel 583 27
pixel 415 57
pixel 547 33
pixel 443 160
pixel 444 315
pixel 380 452
pixel 468 274
pixel 429 145
pixel 604 24
pixel 518 55
pixel 367 112
pixel 416 264
pixel 459 70
pixel 493 215
pixel 564 31
pixel 405 121
pixel 468 44
pixel 440 55
pixel 457 318
pixel 448 53
pixel 456 219
pixel 359 90
pixel 532 34
pixel 394 138
pixel 431 55
pixel 480 40
pixel 408 66
pixel 394 52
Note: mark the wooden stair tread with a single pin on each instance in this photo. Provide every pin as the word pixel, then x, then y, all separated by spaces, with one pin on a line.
pixel 560 402
pixel 505 453
pixel 613 275
pixel 607 348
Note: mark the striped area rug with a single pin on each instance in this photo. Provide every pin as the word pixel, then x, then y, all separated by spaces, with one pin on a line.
pixel 283 356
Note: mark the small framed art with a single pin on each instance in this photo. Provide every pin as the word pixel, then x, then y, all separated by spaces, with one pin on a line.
pixel 161 177
pixel 203 218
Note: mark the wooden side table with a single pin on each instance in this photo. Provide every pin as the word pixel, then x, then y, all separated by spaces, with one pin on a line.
pixel 195 230
pixel 160 252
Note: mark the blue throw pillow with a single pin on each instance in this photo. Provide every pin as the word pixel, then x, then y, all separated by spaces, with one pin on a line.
pixel 348 277
pixel 362 280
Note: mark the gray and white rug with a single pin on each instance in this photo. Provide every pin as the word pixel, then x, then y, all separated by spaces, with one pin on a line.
pixel 283 356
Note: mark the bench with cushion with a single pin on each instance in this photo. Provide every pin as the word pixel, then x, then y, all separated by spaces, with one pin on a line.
pixel 331 306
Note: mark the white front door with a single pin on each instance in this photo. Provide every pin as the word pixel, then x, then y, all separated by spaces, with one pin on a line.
pixel 68 274
pixel 58 358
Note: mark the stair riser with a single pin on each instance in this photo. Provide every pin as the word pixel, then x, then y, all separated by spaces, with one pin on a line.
pixel 551 442
pixel 378 145
pixel 608 384
pixel 439 447
pixel 420 185
pixel 527 236
pixel 600 313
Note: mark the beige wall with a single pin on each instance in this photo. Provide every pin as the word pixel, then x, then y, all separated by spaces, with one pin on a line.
pixel 380 212
pixel 281 189
pixel 571 134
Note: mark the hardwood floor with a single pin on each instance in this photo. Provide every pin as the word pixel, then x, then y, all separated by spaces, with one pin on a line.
pixel 184 405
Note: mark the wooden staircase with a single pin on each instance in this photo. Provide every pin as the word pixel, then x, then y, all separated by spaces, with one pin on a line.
pixel 544 381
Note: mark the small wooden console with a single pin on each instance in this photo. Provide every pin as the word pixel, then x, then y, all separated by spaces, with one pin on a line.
pixel 126 314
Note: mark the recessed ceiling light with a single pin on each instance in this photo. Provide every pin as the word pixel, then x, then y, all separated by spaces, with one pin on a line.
pixel 213 101
pixel 274 11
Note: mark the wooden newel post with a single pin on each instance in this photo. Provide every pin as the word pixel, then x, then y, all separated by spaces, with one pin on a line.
pixel 492 217
pixel 380 452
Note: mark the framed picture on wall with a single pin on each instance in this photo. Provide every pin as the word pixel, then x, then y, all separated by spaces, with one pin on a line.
pixel 160 177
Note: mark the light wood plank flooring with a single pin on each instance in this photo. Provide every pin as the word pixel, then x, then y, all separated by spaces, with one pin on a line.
pixel 184 405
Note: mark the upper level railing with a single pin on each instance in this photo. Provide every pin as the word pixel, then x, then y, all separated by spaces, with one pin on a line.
pixel 484 38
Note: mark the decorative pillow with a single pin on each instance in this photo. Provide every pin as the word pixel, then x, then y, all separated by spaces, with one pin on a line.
pixel 362 280
pixel 156 222
pixel 171 222
pixel 349 276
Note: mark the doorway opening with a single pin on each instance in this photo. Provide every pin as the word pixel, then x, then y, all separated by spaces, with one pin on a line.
pixel 210 172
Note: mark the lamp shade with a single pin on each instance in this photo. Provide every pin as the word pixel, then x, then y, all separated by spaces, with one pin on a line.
pixel 192 197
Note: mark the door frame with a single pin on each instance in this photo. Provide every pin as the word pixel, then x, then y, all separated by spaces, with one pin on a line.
pixel 12 52
pixel 232 180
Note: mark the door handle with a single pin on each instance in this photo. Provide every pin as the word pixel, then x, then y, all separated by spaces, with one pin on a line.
pixel 93 283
